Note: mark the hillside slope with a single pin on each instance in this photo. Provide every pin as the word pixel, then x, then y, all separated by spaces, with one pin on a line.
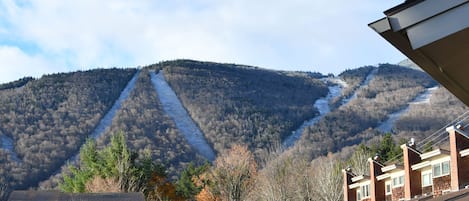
pixel 243 105
pixel 45 121
pixel 391 88
pixel 49 119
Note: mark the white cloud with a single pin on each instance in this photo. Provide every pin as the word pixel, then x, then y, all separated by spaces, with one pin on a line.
pixel 16 64
pixel 268 33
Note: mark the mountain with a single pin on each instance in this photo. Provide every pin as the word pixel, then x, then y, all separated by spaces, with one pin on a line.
pixel 179 111
pixel 410 64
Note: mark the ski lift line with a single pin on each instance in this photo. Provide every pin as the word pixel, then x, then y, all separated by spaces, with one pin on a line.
pixel 448 124
pixel 423 144
pixel 436 138
pixel 443 129
pixel 437 135
pixel 441 141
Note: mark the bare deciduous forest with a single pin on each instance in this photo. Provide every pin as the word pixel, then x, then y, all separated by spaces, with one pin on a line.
pixel 48 120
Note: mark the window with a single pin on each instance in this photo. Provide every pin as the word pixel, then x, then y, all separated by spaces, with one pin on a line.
pixel 359 195
pixel 365 191
pixel 427 179
pixel 398 181
pixel 445 168
pixel 388 188
pixel 441 169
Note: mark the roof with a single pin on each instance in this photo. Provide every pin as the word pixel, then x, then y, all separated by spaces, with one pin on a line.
pixel 454 196
pixel 58 196
pixel 434 34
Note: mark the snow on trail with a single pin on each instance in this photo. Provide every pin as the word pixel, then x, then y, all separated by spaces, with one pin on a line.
pixel 323 107
pixel 423 98
pixel 7 144
pixel 106 121
pixel 365 83
pixel 173 107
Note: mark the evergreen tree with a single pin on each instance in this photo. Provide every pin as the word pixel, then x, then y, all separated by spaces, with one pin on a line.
pixel 116 164
pixel 186 186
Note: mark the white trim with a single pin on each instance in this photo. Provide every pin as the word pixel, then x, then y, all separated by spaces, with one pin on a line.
pixel 421 165
pixel 441 169
pixel 389 168
pixel 464 153
pixel 430 173
pixel 434 153
pixel 383 176
pixel 357 178
pixel 448 22
pixel 459 131
pixel 390 187
pixel 355 185
pixel 421 12
pixel 398 178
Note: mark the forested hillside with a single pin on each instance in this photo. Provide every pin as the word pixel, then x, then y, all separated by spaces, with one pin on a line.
pixel 423 119
pixel 243 105
pixel 49 119
pixel 149 129
pixel 45 121
pixel 391 88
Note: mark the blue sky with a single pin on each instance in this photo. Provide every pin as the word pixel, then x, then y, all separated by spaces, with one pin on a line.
pixel 327 36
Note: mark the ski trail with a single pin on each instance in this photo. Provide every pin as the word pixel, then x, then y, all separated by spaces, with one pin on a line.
pixel 423 98
pixel 323 107
pixel 365 83
pixel 106 121
pixel 174 108
pixel 7 144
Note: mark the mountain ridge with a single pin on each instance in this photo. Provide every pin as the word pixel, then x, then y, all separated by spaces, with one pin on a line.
pixel 231 104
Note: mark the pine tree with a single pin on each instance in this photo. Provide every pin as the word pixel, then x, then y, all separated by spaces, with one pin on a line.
pixel 186 185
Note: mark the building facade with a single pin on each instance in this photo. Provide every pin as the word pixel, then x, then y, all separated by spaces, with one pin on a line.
pixel 420 176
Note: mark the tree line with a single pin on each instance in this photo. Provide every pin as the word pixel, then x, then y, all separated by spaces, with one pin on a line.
pixel 241 104
pixel 50 118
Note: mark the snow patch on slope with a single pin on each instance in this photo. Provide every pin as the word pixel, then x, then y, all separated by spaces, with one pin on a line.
pixel 174 108
pixel 365 83
pixel 7 144
pixel 323 107
pixel 423 98
pixel 106 121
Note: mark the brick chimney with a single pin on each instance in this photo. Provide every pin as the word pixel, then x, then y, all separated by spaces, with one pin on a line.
pixel 459 170
pixel 413 180
pixel 349 195
pixel 376 187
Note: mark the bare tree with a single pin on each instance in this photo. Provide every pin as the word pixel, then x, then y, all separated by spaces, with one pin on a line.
pixel 4 191
pixel 234 174
pixel 276 182
pixel 359 160
pixel 327 179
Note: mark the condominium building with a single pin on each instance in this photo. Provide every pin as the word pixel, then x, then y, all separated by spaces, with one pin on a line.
pixel 440 174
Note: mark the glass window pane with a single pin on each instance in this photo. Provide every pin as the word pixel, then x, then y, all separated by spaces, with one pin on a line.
pixel 437 170
pixel 401 180
pixel 367 190
pixel 388 188
pixel 427 179
pixel 445 167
